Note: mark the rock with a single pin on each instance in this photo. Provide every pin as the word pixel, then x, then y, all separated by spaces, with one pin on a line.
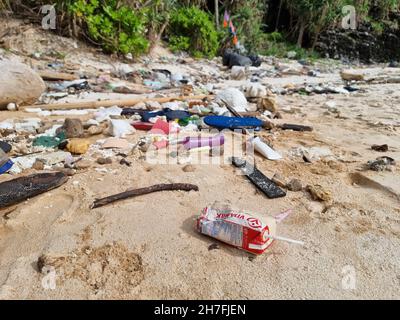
pixel 254 90
pixel 380 148
pixel 116 143
pixel 67 171
pixel 330 105
pixel 95 130
pixel 318 193
pixel 363 44
pixel 238 73
pixel 295 185
pixel 151 105
pixel 83 164
pixel 234 98
pixel 279 180
pixel 123 161
pixel 78 146
pixel 38 165
pixel 189 168
pixel 73 128
pixel 12 107
pixel 103 161
pixel 352 75
pixel 314 154
pixel 19 84
pixel 268 104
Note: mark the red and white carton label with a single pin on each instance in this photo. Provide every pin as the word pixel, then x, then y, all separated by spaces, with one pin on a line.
pixel 238 229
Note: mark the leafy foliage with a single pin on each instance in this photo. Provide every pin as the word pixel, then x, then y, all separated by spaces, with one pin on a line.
pixel 193 30
pixel 116 28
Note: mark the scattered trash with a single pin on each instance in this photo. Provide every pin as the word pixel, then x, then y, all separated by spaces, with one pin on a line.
pixel 6 147
pixel 221 122
pixel 17 190
pixel 382 164
pixel 264 149
pixel 234 98
pixel 240 229
pixel 78 146
pixel 5 162
pixel 49 141
pixel 80 84
pixel 121 128
pixel 26 162
pixel 199 142
pixel 145 126
pixel 254 90
pixel 267 186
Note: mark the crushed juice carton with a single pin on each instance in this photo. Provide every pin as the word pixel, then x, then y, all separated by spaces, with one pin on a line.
pixel 238 228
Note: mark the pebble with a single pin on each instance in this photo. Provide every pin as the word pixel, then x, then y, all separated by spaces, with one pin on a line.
pixel 69 172
pixel 279 180
pixel 318 193
pixel 295 185
pixel 103 161
pixel 38 165
pixel 83 164
pixel 189 168
pixel 95 130
pixel 73 128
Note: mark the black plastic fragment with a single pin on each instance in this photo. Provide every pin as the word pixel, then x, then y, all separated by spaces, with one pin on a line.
pixel 264 184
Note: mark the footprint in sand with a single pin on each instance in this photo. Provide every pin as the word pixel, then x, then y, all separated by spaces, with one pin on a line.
pixel 30 227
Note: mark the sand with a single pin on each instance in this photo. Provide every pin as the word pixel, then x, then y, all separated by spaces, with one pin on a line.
pixel 55 247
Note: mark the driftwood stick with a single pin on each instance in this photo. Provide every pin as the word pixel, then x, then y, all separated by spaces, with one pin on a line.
pixel 54 76
pixel 138 192
pixel 110 103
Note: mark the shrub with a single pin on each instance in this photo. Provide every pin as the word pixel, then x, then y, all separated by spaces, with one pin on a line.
pixel 116 28
pixel 193 30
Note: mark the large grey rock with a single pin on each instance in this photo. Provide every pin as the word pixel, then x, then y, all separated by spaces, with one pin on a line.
pixel 19 84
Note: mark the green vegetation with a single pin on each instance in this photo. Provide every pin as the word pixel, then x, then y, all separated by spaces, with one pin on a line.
pixel 134 26
pixel 116 28
pixel 193 30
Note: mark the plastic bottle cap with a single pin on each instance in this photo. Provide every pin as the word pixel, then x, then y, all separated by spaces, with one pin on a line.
pixel 7 166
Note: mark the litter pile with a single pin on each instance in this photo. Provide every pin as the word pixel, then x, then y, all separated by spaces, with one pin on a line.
pixel 183 115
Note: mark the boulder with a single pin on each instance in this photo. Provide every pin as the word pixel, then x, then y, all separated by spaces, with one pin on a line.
pixel 19 84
